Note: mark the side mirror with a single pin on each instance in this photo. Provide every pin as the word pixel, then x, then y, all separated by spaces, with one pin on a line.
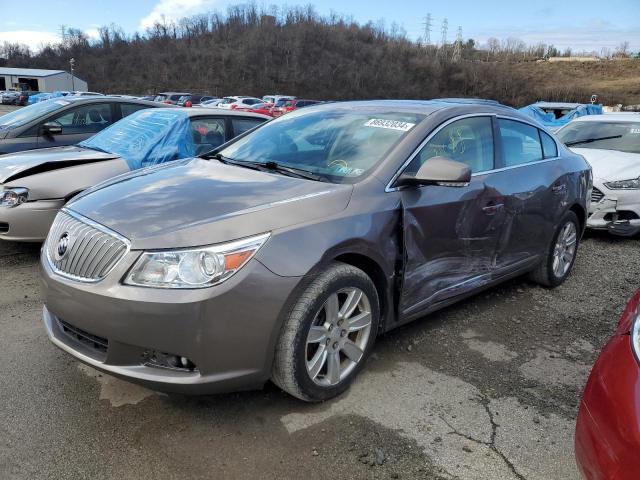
pixel 51 128
pixel 438 171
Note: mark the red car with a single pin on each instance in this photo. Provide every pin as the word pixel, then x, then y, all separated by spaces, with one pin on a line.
pixel 262 108
pixel 608 426
pixel 286 106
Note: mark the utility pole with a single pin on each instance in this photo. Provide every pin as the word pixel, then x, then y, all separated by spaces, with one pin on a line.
pixel 427 30
pixel 63 32
pixel 72 63
pixel 445 27
pixel 457 48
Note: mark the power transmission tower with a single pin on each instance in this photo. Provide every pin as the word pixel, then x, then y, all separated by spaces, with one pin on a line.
pixel 457 48
pixel 427 30
pixel 63 32
pixel 445 27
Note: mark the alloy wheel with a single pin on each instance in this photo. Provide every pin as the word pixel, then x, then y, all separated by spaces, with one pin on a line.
pixel 338 336
pixel 565 249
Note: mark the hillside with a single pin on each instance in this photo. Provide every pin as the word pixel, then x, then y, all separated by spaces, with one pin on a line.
pixel 250 51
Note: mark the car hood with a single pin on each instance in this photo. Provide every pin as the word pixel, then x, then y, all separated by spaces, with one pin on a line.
pixel 17 165
pixel 609 165
pixel 198 202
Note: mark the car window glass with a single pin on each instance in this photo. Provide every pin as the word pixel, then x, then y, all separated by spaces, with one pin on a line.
pixel 129 108
pixel 469 140
pixel 549 147
pixel 241 125
pixel 208 133
pixel 605 135
pixel 520 142
pixel 85 119
pixel 341 145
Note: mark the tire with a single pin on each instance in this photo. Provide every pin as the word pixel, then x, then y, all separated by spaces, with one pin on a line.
pixel 298 354
pixel 545 274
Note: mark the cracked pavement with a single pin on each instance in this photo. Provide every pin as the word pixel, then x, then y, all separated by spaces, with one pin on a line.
pixel 485 389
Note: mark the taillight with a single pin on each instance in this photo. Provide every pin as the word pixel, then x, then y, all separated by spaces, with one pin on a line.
pixel 629 315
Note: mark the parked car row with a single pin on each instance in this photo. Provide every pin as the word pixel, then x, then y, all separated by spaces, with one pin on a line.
pixel 221 249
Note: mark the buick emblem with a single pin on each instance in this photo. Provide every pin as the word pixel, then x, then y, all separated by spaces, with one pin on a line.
pixel 63 246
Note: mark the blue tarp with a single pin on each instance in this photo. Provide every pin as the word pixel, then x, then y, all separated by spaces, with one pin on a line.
pixel 41 97
pixel 549 119
pixel 147 137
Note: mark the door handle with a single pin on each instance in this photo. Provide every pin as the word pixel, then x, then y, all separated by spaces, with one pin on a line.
pixel 492 208
pixel 559 188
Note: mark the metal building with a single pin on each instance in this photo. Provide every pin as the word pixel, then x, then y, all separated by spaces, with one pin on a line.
pixel 40 80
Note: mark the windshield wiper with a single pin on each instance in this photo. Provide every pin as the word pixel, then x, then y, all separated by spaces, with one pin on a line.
pixel 589 140
pixel 297 172
pixel 270 166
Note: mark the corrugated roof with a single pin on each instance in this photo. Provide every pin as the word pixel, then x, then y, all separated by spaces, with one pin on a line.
pixel 29 72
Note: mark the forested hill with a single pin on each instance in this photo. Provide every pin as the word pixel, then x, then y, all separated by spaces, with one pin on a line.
pixel 249 51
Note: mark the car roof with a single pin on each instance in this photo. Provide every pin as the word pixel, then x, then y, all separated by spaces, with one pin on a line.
pixel 558 104
pixel 424 107
pixel 102 98
pixel 217 112
pixel 610 117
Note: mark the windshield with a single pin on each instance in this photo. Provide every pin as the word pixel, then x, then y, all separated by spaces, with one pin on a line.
pixel 341 145
pixel 621 136
pixel 17 118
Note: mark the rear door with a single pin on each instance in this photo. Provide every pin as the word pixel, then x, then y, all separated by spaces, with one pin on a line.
pixel 451 233
pixel 534 186
pixel 78 124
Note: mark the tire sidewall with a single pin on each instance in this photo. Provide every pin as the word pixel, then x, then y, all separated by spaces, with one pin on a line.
pixel 566 218
pixel 312 390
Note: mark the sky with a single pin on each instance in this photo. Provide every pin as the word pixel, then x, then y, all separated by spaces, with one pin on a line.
pixel 583 25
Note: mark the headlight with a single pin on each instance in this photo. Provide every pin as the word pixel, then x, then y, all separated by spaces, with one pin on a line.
pixel 12 197
pixel 193 268
pixel 631 184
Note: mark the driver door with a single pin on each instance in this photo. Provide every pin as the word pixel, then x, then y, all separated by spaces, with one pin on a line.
pixel 451 233
pixel 78 124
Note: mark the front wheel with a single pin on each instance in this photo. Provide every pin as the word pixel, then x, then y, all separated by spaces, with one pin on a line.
pixel 561 254
pixel 327 335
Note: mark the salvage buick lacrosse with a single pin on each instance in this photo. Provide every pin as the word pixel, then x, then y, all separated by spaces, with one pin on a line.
pixel 285 253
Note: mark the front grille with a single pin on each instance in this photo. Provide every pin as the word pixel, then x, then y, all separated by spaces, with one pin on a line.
pixel 596 195
pixel 94 342
pixel 91 249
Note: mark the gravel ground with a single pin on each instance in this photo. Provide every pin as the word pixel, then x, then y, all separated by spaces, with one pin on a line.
pixel 486 389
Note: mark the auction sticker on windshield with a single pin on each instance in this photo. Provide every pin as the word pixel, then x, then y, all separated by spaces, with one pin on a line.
pixel 390 124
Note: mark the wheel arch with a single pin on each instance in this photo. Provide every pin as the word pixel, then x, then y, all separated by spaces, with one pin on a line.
pixel 581 214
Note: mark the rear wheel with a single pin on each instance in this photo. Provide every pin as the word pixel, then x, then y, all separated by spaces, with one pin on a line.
pixel 561 254
pixel 328 334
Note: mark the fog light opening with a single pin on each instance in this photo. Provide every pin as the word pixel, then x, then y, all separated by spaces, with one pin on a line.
pixel 154 358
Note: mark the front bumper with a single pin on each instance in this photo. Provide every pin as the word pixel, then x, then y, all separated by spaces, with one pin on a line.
pixel 227 331
pixel 29 222
pixel 607 438
pixel 618 211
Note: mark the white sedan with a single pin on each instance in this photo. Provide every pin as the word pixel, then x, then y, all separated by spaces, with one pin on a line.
pixel 611 144
pixel 238 102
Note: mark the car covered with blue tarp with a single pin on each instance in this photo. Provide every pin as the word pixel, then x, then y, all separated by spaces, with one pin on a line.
pixel 36 184
pixel 554 115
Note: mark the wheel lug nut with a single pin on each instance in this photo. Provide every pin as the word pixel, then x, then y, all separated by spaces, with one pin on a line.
pixel 343 333
pixel 327 342
pixel 335 344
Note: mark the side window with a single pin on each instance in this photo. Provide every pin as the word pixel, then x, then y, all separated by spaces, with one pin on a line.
pixel 241 125
pixel 85 119
pixel 469 140
pixel 549 147
pixel 128 108
pixel 208 133
pixel 520 142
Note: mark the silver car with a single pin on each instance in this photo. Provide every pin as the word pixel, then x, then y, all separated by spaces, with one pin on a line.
pixel 36 184
pixel 284 254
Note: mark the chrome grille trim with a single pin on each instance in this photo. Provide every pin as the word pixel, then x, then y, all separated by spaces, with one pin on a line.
pixel 94 251
pixel 596 195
